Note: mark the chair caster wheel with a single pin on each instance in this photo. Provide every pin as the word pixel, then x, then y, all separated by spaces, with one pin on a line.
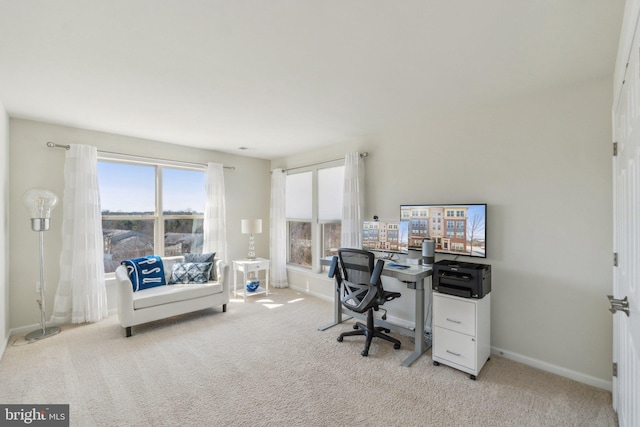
pixel 340 339
pixel 473 377
pixel 396 346
pixel 436 363
pixel 355 326
pixel 364 353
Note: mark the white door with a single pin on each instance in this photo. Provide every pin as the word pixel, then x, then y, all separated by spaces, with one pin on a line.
pixel 626 239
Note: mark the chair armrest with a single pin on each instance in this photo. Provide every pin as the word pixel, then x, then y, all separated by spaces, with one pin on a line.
pixel 377 272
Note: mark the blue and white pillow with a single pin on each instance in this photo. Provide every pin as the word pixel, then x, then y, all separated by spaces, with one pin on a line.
pixel 146 272
pixel 206 257
pixel 190 272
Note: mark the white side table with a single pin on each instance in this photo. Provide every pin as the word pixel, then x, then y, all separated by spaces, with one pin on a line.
pixel 246 266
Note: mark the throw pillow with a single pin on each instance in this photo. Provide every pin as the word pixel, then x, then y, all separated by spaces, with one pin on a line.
pixel 146 272
pixel 207 257
pixel 190 272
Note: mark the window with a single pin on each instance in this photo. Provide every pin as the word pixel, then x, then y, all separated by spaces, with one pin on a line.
pixel 299 215
pixel 314 214
pixel 149 209
pixel 330 185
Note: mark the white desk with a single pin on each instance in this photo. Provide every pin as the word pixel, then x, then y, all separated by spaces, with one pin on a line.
pixel 245 266
pixel 414 279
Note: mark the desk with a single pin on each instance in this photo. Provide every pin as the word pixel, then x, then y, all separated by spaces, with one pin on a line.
pixel 245 266
pixel 414 279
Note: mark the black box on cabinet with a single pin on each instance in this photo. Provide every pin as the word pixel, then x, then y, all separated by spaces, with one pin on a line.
pixel 463 279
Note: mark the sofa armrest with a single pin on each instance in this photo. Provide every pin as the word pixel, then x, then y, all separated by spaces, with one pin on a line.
pixel 125 296
pixel 223 275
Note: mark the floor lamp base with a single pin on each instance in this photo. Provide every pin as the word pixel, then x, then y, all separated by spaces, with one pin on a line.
pixel 40 334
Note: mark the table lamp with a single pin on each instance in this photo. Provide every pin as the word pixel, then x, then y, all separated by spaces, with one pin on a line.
pixel 251 227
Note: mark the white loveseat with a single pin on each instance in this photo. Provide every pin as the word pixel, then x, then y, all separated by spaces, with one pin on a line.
pixel 135 308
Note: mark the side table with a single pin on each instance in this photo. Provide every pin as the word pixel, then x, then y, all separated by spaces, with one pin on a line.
pixel 246 266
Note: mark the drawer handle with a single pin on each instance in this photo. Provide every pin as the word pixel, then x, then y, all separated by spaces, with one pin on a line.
pixel 453 321
pixel 455 354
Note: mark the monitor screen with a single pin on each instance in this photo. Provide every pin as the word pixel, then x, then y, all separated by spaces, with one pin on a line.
pixel 456 229
pixel 386 236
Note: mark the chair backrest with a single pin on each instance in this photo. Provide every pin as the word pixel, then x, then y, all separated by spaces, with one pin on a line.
pixel 356 265
pixel 361 286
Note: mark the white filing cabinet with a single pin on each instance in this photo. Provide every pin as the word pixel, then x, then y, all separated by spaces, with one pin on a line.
pixel 461 332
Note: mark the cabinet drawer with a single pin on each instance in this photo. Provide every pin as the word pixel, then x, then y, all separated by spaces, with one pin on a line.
pixel 455 347
pixel 455 314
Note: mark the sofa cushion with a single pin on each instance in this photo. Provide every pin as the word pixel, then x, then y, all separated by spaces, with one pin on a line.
pixel 206 257
pixel 173 293
pixel 190 272
pixel 146 272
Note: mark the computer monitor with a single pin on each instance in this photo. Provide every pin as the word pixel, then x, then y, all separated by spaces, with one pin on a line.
pixel 457 229
pixel 391 237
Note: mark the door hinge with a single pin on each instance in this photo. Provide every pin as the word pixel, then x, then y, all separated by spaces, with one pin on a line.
pixel 615 149
pixel 615 259
pixel 615 370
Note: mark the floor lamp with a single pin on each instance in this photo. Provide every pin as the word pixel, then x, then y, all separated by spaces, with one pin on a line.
pixel 40 201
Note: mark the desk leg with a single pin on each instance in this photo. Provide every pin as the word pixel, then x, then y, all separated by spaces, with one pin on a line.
pixel 420 344
pixel 337 314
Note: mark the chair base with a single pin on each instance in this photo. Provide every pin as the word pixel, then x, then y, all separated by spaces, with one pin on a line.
pixel 370 331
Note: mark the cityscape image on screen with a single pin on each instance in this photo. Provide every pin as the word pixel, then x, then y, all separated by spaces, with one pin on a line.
pixel 455 228
pixel 386 236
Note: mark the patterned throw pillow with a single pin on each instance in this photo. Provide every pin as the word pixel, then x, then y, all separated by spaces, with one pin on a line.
pixel 146 272
pixel 207 257
pixel 190 272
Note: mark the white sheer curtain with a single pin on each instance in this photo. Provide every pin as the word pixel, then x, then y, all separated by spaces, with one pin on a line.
pixel 278 230
pixel 353 201
pixel 81 295
pixel 215 218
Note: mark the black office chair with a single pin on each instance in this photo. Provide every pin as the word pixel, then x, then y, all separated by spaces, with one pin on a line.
pixel 360 290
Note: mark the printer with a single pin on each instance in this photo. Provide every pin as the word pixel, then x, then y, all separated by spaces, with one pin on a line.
pixel 463 279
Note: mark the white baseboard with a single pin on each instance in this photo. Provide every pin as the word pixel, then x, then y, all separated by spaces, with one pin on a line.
pixel 558 370
pixel 312 293
pixel 3 346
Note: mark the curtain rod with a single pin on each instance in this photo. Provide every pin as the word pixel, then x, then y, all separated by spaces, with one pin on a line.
pixel 67 147
pixel 362 155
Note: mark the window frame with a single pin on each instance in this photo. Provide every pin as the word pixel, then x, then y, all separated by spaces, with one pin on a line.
pixel 158 217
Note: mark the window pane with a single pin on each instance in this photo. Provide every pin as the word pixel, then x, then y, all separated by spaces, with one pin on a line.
pixel 125 239
pixel 331 239
pixel 300 243
pixel 330 190
pixel 126 188
pixel 299 196
pixel 182 236
pixel 182 192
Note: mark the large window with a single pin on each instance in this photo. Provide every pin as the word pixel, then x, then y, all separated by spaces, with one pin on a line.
pixel 314 212
pixel 149 209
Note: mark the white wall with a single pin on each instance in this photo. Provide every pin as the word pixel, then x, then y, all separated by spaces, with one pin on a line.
pixel 33 164
pixel 543 166
pixel 4 229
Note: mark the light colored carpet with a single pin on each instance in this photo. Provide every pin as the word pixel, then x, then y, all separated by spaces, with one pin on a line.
pixel 264 363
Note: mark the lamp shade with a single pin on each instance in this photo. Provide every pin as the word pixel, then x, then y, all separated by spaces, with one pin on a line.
pixel 251 226
pixel 40 201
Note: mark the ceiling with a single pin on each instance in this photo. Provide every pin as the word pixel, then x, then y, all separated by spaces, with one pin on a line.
pixel 280 77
